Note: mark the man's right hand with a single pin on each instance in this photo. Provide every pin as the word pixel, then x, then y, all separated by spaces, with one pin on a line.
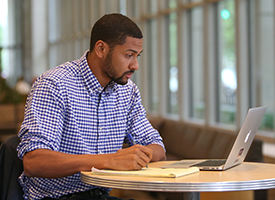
pixel 131 158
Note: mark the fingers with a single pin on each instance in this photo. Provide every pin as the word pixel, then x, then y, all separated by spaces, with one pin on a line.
pixel 136 162
pixel 144 154
pixel 132 158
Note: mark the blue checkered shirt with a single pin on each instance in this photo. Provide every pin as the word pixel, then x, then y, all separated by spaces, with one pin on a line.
pixel 68 111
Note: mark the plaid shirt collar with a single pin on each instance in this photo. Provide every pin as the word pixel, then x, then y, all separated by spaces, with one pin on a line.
pixel 90 80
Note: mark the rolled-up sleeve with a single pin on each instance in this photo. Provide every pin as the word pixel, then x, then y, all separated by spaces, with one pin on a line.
pixel 42 124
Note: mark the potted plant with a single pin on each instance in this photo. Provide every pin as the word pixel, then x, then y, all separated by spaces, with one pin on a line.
pixel 11 107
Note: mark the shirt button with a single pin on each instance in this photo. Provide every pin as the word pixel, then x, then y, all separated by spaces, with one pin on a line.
pixel 100 152
pixel 100 128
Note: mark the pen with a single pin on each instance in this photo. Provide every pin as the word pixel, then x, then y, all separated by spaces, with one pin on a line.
pixel 132 141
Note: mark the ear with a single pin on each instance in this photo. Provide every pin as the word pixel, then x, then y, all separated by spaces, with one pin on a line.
pixel 101 48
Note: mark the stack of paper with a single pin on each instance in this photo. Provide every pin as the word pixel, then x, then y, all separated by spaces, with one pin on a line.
pixel 149 172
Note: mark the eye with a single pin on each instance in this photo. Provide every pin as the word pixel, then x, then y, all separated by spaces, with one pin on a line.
pixel 129 55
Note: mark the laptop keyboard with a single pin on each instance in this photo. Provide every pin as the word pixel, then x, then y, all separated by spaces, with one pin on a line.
pixel 210 163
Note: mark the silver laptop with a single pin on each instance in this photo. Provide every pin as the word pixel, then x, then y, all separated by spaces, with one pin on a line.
pixel 239 150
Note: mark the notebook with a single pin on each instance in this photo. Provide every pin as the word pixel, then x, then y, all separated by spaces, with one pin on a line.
pixel 149 172
pixel 238 151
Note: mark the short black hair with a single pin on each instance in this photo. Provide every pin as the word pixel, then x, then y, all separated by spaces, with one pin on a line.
pixel 113 29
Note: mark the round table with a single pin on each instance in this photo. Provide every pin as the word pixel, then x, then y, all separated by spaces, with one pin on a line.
pixel 246 176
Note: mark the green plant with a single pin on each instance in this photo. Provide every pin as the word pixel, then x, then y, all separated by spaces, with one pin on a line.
pixel 8 94
pixel 268 121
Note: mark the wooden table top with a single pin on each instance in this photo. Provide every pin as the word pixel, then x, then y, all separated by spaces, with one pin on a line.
pixel 246 176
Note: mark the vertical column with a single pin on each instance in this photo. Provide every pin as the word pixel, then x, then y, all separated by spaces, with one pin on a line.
pixel 39 36
pixel 241 62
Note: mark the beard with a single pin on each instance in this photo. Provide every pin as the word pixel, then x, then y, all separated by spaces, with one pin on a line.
pixel 111 72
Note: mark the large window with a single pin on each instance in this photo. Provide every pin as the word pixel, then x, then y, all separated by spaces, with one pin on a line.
pixel 152 64
pixel 262 81
pixel 69 29
pixel 151 55
pixel 226 59
pixel 69 26
pixel 196 64
pixel 172 70
pixel 10 40
pixel 204 61
pixel 226 65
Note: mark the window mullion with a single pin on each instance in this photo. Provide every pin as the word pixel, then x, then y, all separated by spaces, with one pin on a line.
pixel 241 62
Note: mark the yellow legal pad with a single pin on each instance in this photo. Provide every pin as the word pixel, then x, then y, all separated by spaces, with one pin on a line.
pixel 149 172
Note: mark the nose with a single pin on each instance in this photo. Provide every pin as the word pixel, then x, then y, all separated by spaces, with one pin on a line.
pixel 134 65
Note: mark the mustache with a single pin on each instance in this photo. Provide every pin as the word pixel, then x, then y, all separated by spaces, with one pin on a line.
pixel 129 72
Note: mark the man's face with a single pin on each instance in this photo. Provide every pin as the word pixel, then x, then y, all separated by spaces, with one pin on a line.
pixel 122 61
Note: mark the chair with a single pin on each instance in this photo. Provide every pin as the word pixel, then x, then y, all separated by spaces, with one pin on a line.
pixel 10 169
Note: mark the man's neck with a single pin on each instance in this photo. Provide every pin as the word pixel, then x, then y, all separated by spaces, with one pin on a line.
pixel 95 65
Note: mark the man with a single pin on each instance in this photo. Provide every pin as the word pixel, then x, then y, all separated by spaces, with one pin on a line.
pixel 78 116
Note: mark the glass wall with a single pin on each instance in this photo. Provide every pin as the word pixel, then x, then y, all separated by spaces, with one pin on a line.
pixel 262 81
pixel 10 40
pixel 204 61
pixel 224 51
pixel 172 70
pixel 196 64
pixel 226 65
pixel 152 64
